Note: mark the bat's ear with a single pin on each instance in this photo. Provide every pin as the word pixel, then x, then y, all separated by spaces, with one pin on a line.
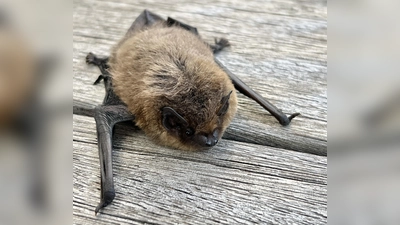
pixel 224 105
pixel 171 120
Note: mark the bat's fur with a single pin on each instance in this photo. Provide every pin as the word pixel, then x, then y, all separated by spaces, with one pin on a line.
pixel 164 66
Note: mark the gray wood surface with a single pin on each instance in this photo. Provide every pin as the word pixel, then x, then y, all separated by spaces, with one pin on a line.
pixel 279 48
pixel 234 183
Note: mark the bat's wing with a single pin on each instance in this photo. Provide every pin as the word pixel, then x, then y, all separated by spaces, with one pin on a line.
pixel 147 19
pixel 174 22
pixel 144 20
pixel 112 111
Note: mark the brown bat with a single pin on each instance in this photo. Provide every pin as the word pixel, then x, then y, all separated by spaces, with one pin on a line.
pixel 164 76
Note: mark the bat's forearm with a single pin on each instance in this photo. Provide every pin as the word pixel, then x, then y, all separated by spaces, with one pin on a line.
pixel 106 117
pixel 104 140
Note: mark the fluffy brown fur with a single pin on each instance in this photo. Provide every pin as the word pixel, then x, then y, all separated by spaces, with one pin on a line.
pixel 170 67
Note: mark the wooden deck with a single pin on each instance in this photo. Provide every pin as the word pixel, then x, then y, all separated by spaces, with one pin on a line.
pixel 260 172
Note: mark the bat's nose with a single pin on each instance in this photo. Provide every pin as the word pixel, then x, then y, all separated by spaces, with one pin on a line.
pixel 206 140
pixel 211 141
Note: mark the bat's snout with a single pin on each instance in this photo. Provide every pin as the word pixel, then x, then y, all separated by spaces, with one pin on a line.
pixel 211 141
pixel 207 140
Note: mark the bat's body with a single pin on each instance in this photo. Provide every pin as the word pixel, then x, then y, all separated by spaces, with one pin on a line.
pixel 171 67
pixel 166 79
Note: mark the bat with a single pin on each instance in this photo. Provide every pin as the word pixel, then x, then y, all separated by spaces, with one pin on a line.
pixel 165 78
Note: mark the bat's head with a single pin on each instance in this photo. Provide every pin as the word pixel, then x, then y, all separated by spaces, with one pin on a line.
pixel 198 127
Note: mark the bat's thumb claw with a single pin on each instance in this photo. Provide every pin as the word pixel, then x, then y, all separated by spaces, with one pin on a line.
pixel 106 199
pixel 284 121
pixel 99 206
pixel 293 116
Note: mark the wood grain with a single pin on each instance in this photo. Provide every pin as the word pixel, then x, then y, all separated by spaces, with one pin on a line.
pixel 234 183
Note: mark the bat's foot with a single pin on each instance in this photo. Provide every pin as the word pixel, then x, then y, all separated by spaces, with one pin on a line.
pixel 92 59
pixel 220 44
pixel 107 198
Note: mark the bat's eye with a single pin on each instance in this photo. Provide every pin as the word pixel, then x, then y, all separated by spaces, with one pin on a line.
pixel 189 132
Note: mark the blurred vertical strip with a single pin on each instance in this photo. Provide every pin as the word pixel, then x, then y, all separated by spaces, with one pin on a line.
pixel 35 112
pixel 364 112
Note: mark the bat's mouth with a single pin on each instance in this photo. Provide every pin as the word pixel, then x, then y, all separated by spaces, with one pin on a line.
pixel 203 143
pixel 206 148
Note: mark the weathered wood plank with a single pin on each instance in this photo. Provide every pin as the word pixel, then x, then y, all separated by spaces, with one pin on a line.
pixel 234 183
pixel 278 48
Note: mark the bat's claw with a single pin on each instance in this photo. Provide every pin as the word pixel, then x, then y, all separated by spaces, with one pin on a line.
pixel 107 198
pixel 284 121
pixel 99 206
pixel 293 116
pixel 91 59
pixel 100 78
